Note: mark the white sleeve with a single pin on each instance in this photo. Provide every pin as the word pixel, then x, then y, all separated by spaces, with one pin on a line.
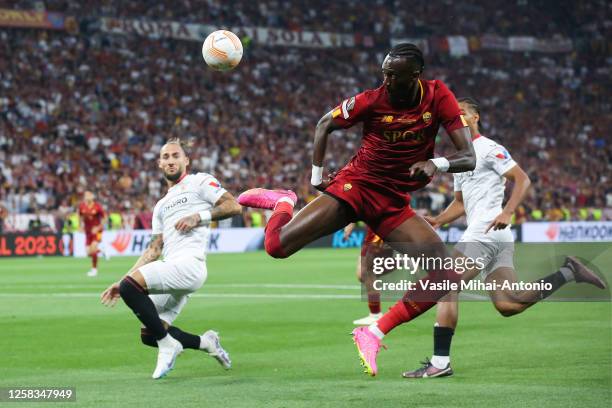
pixel 158 225
pixel 456 183
pixel 499 160
pixel 209 188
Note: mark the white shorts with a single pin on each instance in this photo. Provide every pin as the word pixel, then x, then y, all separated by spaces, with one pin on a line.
pixel 170 282
pixel 496 249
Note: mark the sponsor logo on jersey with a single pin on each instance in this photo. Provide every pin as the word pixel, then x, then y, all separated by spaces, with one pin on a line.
pixel 400 136
pixel 427 117
pixel 347 186
pixel 176 202
pixel 406 119
pixel 387 119
pixel 214 184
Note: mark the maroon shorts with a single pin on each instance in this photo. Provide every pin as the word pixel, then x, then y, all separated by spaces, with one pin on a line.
pixel 91 237
pixel 381 206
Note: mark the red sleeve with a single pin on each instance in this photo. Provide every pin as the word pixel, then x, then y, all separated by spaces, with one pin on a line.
pixel 352 110
pixel 80 210
pixel 449 113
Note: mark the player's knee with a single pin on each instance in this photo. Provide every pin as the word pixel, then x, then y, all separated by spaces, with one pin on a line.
pixel 274 249
pixel 128 286
pixel 147 338
pixel 508 309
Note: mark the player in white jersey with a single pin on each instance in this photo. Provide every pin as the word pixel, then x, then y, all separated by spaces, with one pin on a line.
pixel 156 290
pixel 479 195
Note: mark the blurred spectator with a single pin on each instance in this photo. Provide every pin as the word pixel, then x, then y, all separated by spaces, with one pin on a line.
pixel 91 111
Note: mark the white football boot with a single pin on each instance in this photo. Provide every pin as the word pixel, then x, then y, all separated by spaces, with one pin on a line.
pixel 169 349
pixel 209 342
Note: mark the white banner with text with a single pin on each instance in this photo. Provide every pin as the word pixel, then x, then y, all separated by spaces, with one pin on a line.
pixel 133 242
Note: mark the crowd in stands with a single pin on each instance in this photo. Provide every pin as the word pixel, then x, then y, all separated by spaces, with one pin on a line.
pixel 91 110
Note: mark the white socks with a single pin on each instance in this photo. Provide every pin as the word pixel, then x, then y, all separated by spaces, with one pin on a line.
pixel 376 331
pixel 440 362
pixel 284 200
pixel 165 342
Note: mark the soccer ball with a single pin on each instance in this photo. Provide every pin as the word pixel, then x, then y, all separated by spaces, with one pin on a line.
pixel 222 50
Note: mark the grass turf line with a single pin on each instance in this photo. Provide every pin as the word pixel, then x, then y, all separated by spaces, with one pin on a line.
pixel 294 352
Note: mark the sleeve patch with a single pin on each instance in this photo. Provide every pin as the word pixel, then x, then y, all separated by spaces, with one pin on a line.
pixel 347 106
pixel 502 154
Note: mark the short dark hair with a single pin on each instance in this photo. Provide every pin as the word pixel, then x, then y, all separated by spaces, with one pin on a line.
pixel 408 50
pixel 472 103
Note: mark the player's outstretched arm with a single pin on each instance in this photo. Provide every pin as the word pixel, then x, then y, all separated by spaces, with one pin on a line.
pixel 110 296
pixel 225 207
pixel 454 210
pixel 464 159
pixel 521 186
pixel 324 127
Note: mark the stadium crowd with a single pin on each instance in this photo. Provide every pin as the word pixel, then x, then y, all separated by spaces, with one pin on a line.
pixel 91 110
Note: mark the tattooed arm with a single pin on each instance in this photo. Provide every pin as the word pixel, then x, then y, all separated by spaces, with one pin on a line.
pixel 110 296
pixel 150 254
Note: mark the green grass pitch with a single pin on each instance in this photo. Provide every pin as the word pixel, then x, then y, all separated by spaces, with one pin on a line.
pixel 286 324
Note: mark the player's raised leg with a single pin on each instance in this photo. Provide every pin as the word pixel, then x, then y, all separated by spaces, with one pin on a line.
pixel 413 236
pixel 286 234
pixel 509 303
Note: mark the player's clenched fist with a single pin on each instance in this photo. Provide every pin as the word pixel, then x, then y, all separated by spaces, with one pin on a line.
pixel 110 296
pixel 423 169
pixel 188 223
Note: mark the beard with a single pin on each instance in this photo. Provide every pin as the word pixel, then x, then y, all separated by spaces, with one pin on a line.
pixel 173 177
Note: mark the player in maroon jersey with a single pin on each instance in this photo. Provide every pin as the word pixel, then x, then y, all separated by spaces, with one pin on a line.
pixel 372 247
pixel 92 218
pixel 401 119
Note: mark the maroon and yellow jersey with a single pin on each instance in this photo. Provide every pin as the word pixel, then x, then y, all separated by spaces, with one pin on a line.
pixel 395 139
pixel 92 215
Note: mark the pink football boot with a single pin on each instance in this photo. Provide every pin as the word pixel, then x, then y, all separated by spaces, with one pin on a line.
pixel 368 346
pixel 264 198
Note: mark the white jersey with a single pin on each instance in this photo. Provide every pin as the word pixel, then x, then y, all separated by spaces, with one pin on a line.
pixel 194 193
pixel 483 189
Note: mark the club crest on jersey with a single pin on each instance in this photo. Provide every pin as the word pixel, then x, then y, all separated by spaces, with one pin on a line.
pixel 427 117
pixel 387 119
pixel 347 186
